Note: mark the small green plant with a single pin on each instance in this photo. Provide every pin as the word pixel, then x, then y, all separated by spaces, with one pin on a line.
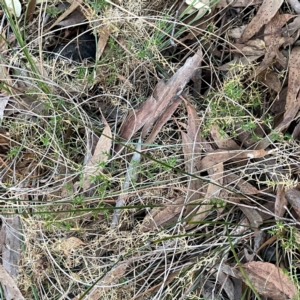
pixel 233 110
pixel 98 5
pixel 53 11
pixel 234 90
pixel 45 140
pixel 13 152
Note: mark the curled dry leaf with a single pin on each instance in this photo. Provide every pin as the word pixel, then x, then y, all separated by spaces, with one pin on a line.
pixel 273 39
pixel 257 43
pixel 265 13
pixel 269 280
pixel 219 156
pixel 248 50
pixel 69 244
pixel 236 32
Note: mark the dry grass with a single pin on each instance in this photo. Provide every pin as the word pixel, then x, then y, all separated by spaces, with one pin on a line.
pixel 52 127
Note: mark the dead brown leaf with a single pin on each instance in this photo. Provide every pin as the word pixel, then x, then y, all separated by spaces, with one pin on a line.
pixel 265 13
pixel 213 190
pixel 167 114
pixel 74 5
pixel 219 156
pixel 293 98
pixel 253 216
pixel 73 19
pixel 103 35
pixel 273 33
pixel 279 103
pixel 192 145
pixel 273 40
pixel 192 141
pixel 9 286
pixel 163 96
pixel 292 29
pixel 271 80
pixel 169 279
pixel 225 281
pixel 247 50
pixel 269 280
pixel 69 244
pixel 160 217
pixel 223 141
pixel 236 32
pixel 101 155
pixel 110 278
pixel 30 9
pixel 167 93
pixel 244 186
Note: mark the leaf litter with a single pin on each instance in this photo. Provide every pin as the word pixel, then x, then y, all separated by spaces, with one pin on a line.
pixel 205 152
